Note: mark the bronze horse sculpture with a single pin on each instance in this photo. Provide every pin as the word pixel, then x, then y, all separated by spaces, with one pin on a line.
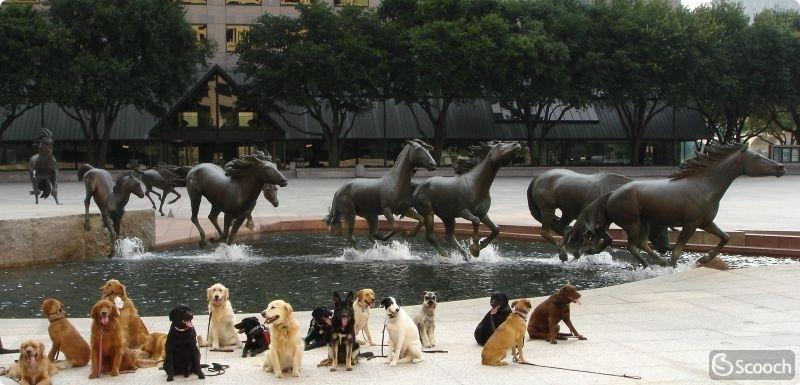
pixel 463 196
pixel 388 195
pixel 688 199
pixel 43 167
pixel 571 192
pixel 110 197
pixel 233 190
pixel 164 177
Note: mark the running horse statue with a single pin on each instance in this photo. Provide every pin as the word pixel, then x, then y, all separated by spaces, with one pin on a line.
pixel 110 197
pixel 388 195
pixel 43 167
pixel 463 196
pixel 233 191
pixel 571 192
pixel 164 177
pixel 688 199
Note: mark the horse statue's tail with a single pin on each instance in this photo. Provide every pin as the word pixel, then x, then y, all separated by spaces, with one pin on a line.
pixel 334 218
pixel 532 206
pixel 590 221
pixel 83 169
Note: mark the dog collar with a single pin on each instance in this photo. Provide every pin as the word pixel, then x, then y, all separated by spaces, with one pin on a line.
pixel 56 316
pixel 362 306
pixel 254 329
pixel 522 314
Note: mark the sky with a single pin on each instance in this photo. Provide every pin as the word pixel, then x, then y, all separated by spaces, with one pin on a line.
pixel 691 4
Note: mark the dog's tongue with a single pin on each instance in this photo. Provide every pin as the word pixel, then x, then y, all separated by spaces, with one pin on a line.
pixel 188 324
pixel 344 321
pixel 494 310
pixel 31 360
pixel 328 320
pixel 104 320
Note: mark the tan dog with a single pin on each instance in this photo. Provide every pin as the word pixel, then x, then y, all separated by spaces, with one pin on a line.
pixel 34 368
pixel 64 336
pixel 510 334
pixel 153 347
pixel 221 330
pixel 364 300
pixel 286 348
pixel 133 329
pixel 543 324
pixel 109 353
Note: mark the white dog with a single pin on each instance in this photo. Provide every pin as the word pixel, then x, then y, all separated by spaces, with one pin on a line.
pixel 404 344
pixel 286 348
pixel 364 300
pixel 221 331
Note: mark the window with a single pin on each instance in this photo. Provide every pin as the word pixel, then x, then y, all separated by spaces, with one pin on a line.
pixel 247 119
pixel 243 2
pixel 193 1
pixel 786 154
pixel 201 31
pixel 233 35
pixel 188 120
pixel 295 2
pixel 360 3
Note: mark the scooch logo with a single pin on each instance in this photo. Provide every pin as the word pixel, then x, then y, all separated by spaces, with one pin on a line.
pixel 751 364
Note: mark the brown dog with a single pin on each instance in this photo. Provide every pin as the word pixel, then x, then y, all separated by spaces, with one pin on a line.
pixel 544 322
pixel 133 329
pixel 153 347
pixel 34 367
pixel 64 336
pixel 510 334
pixel 109 353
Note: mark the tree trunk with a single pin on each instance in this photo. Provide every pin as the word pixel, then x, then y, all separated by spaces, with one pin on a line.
pixel 636 150
pixel 332 145
pixel 6 124
pixel 439 138
pixel 540 156
pixel 530 143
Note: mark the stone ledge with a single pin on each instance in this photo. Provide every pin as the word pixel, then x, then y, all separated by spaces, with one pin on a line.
pixel 59 239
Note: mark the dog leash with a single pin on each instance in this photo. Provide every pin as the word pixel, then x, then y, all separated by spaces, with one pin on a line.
pixel 633 377
pixel 383 336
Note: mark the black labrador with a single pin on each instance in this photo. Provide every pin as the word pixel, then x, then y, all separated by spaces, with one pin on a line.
pixel 182 356
pixel 258 337
pixel 493 319
pixel 320 329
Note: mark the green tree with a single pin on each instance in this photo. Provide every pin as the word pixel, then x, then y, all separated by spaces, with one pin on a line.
pixel 123 53
pixel 29 47
pixel 641 52
pixel 544 66
pixel 318 63
pixel 444 55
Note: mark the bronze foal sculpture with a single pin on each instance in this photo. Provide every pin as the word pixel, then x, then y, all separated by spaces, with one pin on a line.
pixel 571 192
pixel 110 197
pixel 463 196
pixel 43 167
pixel 271 195
pixel 164 177
pixel 388 195
pixel 688 199
pixel 232 191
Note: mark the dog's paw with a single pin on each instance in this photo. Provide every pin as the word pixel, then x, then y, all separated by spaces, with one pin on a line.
pixel 333 369
pixel 553 342
pixel 93 376
pixel 170 379
pixel 393 364
pixel 416 360
pixel 201 376
pixel 581 337
pixel 295 373
pixel 114 373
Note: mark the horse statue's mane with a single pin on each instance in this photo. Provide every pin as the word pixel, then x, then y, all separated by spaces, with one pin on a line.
pixel 422 143
pixel 174 175
pixel 240 167
pixel 475 155
pixel 714 153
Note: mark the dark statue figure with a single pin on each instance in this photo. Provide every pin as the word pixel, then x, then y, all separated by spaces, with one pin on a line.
pixel 43 167
pixel 463 196
pixel 271 195
pixel 388 195
pixel 571 192
pixel 164 177
pixel 688 199
pixel 233 191
pixel 110 197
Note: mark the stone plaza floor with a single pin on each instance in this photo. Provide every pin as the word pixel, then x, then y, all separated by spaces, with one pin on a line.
pixel 661 329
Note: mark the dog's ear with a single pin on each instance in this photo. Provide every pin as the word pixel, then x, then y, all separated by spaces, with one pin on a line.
pixel 208 295
pixel 350 297
pixel 288 308
pixel 398 302
pixel 227 294
pixel 40 347
pixel 514 303
pixel 336 298
pixel 359 294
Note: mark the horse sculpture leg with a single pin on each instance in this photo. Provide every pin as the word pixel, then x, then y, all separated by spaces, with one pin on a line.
pixel 372 222
pixel 548 214
pixel 147 192
pixel 431 238
pixel 723 240
pixel 387 212
pixel 449 230
pixel 683 237
pixel 350 219
pixel 177 195
pixel 486 241
pixel 213 216
pixel 86 203
pixel 54 191
pixel 195 201
pixel 633 231
pixel 413 214
pixel 237 223
pixel 162 199
pixel 112 235
pixel 476 224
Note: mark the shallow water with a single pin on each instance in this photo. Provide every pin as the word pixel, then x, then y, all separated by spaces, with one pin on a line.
pixel 304 268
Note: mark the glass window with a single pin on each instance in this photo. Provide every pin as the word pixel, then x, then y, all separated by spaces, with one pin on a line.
pixel 193 1
pixel 201 31
pixel 233 35
pixel 247 119
pixel 188 119
pixel 360 3
pixel 295 2
pixel 243 2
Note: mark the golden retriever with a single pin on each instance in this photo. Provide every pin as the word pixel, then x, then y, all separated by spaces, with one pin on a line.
pixel 286 348
pixel 133 329
pixel 364 300
pixel 154 346
pixel 221 330
pixel 510 334
pixel 109 353
pixel 34 368
pixel 64 336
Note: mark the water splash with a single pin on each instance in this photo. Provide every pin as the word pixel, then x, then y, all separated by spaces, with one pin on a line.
pixel 130 247
pixel 234 252
pixel 395 251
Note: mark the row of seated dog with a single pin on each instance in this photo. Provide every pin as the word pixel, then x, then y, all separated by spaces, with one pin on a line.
pixel 120 342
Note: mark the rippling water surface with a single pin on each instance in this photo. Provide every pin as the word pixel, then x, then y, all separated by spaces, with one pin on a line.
pixel 304 268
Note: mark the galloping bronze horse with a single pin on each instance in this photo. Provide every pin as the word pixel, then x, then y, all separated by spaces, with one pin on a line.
pixel 164 177
pixel 110 197
pixel 388 195
pixel 43 167
pixel 463 196
pixel 233 191
pixel 271 195
pixel 688 199
pixel 571 192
